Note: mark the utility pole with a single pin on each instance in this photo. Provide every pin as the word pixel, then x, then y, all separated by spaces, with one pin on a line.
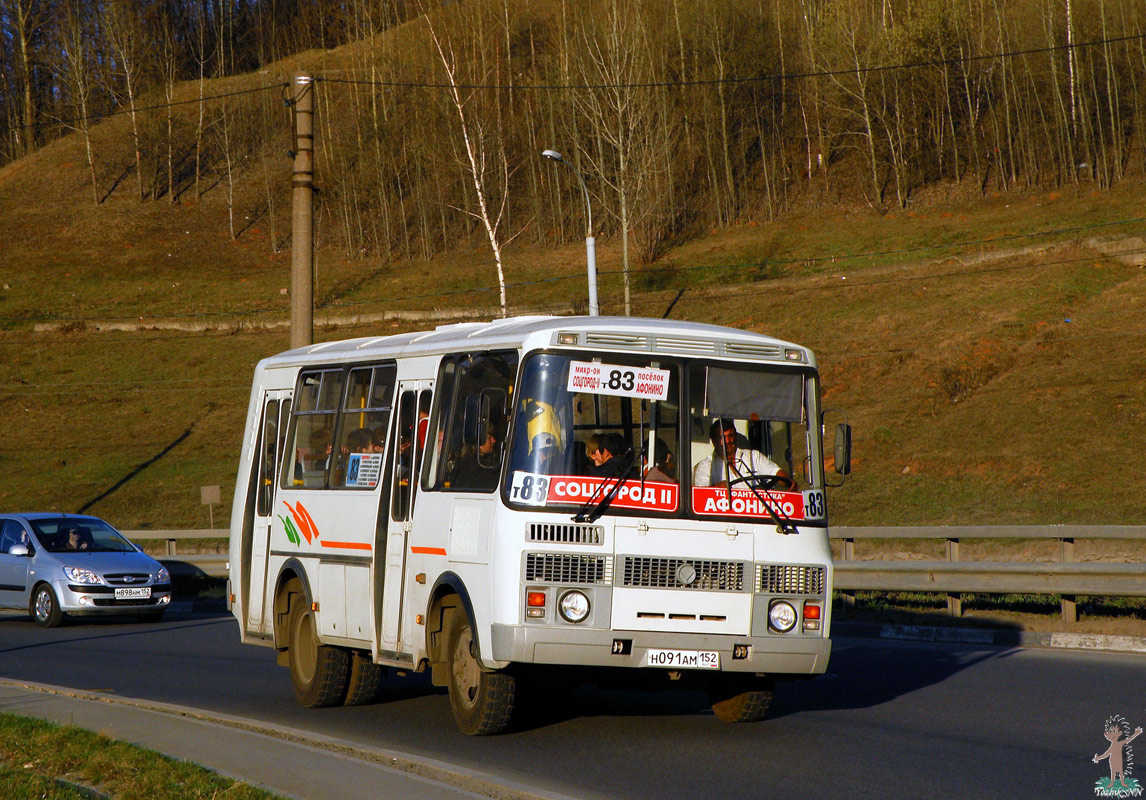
pixel 302 214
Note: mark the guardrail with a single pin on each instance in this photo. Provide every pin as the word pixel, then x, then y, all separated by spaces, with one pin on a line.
pixel 187 564
pixel 1065 577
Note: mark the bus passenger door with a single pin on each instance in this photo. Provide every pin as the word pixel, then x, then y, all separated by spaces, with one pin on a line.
pixel 407 443
pixel 276 413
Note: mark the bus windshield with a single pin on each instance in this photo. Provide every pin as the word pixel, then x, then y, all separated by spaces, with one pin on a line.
pixel 643 434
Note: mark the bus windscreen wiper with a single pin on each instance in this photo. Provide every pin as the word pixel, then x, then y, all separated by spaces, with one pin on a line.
pixel 593 508
pixel 783 522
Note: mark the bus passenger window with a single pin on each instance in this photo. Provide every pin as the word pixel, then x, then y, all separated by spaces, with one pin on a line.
pixel 311 435
pixel 365 418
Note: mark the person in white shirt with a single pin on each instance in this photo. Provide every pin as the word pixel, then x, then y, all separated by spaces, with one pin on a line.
pixel 712 471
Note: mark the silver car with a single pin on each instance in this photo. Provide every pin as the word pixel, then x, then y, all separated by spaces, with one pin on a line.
pixel 58 565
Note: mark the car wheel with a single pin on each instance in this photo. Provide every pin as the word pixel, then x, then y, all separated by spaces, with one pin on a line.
pixel 365 679
pixel 319 672
pixel 740 698
pixel 45 608
pixel 482 701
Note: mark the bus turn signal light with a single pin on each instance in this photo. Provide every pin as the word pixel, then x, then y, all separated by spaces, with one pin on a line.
pixel 536 604
pixel 811 616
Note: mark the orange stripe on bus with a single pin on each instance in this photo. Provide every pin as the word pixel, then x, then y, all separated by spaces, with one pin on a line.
pixel 430 551
pixel 346 545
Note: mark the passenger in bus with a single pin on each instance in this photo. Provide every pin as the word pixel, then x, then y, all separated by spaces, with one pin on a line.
pixel 320 446
pixel 478 467
pixel 662 463
pixel 377 440
pixel 359 440
pixel 740 462
pixel 423 419
pixel 612 454
pixel 595 457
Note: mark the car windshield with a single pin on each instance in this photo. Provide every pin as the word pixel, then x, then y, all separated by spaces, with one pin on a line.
pixel 80 536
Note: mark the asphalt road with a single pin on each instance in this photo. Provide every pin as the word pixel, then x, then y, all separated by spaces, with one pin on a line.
pixel 891 719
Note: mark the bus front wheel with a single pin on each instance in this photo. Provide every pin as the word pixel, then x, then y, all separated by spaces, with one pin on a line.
pixel 482 701
pixel 737 697
pixel 319 672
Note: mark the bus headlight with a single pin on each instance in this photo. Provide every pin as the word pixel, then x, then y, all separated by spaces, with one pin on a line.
pixel 781 616
pixel 573 607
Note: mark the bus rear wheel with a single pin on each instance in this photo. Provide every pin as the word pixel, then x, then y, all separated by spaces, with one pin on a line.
pixel 365 680
pixel 320 673
pixel 482 701
pixel 740 698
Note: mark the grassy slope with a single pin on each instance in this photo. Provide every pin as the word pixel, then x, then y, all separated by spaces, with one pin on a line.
pixel 974 399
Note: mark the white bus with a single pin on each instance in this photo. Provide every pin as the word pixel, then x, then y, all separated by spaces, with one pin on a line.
pixel 490 501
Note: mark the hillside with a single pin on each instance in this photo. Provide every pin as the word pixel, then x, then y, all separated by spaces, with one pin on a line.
pixel 983 345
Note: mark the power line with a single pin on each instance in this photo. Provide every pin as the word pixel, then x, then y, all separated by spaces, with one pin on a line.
pixel 156 107
pixel 745 80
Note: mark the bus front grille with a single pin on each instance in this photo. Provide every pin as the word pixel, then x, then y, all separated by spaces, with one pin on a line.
pixel 565 533
pixel 683 573
pixel 788 579
pixel 567 568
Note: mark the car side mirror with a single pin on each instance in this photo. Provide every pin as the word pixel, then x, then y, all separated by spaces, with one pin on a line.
pixel 19 550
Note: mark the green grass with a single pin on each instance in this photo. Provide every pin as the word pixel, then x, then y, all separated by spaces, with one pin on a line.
pixel 43 760
pixel 972 399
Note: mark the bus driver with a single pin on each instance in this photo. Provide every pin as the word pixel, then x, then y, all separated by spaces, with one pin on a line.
pixel 741 463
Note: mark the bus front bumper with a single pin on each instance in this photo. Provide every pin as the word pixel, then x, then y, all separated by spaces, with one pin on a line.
pixel 775 655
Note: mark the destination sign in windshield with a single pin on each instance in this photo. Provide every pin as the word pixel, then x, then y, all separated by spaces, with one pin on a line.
pixel 643 383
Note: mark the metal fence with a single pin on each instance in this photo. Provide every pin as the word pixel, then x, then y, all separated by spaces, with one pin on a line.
pixel 1065 578
pixel 187 564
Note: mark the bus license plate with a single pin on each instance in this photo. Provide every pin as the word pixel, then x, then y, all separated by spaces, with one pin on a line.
pixel 683 659
pixel 134 593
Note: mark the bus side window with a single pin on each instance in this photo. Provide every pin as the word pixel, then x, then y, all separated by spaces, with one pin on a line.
pixel 311 434
pixel 365 419
pixel 403 456
pixel 270 440
pixel 470 422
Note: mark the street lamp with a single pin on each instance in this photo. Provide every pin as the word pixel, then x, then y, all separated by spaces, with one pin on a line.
pixel 590 242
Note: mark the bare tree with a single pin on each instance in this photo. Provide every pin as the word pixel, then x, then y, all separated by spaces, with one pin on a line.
pixel 76 67
pixel 490 180
pixel 27 20
pixel 622 117
pixel 126 39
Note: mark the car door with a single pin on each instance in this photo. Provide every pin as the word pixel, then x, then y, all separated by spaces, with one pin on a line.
pixel 13 569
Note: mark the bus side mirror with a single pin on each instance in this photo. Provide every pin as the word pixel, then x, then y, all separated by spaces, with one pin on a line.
pixel 843 449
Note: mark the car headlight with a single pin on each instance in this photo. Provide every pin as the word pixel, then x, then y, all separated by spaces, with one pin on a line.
pixel 163 576
pixel 782 616
pixel 81 575
pixel 573 606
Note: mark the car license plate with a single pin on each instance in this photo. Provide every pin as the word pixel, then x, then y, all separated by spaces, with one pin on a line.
pixel 134 593
pixel 683 659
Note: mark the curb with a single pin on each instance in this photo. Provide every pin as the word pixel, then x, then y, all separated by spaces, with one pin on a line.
pixel 406 769
pixel 987 636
